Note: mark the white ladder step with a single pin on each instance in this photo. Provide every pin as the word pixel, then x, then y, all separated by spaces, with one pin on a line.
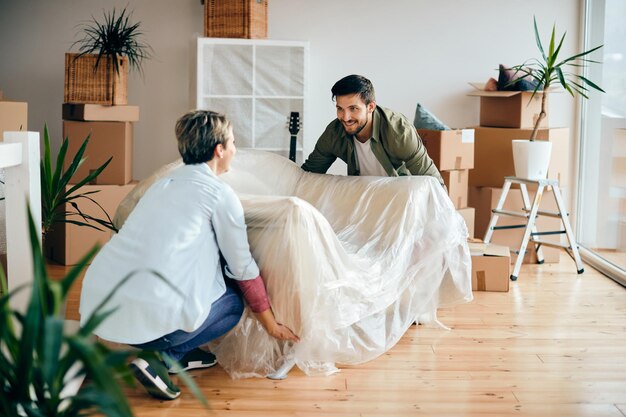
pixel 555 244
pixel 547 213
pixel 511 213
pixel 531 232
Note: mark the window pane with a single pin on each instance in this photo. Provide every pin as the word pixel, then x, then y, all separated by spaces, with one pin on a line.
pixel 602 197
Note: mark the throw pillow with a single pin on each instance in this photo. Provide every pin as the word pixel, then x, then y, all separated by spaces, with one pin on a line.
pixel 426 120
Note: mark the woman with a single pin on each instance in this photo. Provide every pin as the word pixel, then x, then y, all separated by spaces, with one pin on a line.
pixel 180 229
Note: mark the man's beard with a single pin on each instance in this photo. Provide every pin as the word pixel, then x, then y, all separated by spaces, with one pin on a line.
pixel 359 128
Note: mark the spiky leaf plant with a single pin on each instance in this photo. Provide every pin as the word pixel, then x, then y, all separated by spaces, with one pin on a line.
pixel 115 36
pixel 550 69
pixel 45 371
pixel 55 194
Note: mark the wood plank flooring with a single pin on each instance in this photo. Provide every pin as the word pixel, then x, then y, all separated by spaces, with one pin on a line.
pixel 554 345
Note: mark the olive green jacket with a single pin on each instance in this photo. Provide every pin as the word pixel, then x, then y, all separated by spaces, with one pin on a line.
pixel 394 142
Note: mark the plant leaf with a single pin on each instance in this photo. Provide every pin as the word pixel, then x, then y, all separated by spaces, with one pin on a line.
pixel 538 40
pixel 31 326
pixel 591 83
pixel 52 336
pixel 100 375
pixel 571 58
pixel 76 270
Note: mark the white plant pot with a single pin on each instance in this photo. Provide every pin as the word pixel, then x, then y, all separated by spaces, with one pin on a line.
pixel 531 158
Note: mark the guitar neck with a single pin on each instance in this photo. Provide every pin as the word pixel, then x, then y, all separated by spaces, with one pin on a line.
pixel 292 148
pixel 294 128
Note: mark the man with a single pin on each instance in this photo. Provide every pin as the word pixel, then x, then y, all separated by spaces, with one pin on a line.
pixel 371 140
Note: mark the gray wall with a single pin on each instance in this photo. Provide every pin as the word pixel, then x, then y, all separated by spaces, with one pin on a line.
pixel 413 50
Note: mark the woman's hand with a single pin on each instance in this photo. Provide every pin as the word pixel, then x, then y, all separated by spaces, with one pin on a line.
pixel 275 329
pixel 282 332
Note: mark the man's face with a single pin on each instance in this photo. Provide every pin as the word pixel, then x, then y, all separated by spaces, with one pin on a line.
pixel 353 113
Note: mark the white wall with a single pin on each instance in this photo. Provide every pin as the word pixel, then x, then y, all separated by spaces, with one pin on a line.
pixel 412 50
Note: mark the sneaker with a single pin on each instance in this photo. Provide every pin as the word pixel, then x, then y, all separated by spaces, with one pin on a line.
pixel 156 386
pixel 194 359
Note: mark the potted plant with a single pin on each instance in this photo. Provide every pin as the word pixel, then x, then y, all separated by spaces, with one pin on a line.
pixel 57 194
pixel 47 371
pixel 98 73
pixel 531 157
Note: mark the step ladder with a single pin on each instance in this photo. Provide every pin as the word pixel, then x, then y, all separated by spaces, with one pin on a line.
pixel 530 213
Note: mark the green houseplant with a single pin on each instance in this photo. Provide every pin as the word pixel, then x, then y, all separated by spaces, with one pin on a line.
pixel 44 371
pixel 550 69
pixel 106 52
pixel 57 195
pixel 547 71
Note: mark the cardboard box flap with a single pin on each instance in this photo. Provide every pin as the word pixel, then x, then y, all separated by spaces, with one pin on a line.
pixel 476 248
pixel 484 249
pixel 496 250
pixel 480 91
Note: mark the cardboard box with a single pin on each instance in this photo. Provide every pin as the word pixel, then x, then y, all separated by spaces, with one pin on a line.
pixel 494 154
pixel 99 112
pixel 13 117
pixel 457 183
pixel 108 139
pixel 449 149
pixel 518 109
pixel 468 214
pixel 484 199
pixel 67 243
pixel 491 267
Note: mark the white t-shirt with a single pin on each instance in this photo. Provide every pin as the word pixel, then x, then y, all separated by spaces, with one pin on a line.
pixel 368 163
pixel 178 228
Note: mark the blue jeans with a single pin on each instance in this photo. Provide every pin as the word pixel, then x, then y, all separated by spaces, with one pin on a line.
pixel 224 315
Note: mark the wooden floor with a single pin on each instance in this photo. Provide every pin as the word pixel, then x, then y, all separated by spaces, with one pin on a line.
pixel 554 345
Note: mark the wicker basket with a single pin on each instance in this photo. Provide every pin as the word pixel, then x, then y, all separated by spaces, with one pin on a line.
pixel 235 19
pixel 102 86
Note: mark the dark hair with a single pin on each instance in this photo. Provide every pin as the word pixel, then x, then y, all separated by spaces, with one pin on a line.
pixel 198 133
pixel 353 84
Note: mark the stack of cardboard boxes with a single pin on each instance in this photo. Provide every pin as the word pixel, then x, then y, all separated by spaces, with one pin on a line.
pixel 505 116
pixel 452 151
pixel 110 131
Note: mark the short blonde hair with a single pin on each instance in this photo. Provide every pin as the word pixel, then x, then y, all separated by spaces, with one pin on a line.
pixel 198 133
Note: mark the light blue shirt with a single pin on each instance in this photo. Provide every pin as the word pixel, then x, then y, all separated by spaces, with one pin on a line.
pixel 178 228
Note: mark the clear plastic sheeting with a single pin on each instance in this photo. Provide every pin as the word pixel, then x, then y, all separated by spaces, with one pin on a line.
pixel 350 263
